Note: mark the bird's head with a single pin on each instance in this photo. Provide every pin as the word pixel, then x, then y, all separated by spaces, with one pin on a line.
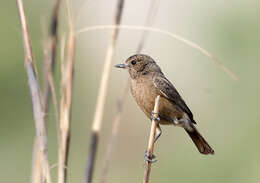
pixel 139 65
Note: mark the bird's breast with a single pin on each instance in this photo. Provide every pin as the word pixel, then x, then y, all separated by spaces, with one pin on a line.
pixel 144 93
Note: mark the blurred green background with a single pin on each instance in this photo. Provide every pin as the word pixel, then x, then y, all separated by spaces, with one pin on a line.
pixel 227 111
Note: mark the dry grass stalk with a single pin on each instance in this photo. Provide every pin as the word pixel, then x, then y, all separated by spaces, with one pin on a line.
pixel 115 129
pixel 50 56
pixel 67 68
pixel 151 140
pixel 99 111
pixel 121 101
pixel 36 174
pixel 65 110
pixel 36 98
pixel 50 45
pixel 170 34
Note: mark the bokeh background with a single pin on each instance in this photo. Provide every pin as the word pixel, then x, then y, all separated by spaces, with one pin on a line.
pixel 227 111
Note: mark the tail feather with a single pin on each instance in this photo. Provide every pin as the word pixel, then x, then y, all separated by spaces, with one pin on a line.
pixel 199 141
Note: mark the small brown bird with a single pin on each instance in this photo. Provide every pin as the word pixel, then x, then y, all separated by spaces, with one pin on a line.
pixel 147 82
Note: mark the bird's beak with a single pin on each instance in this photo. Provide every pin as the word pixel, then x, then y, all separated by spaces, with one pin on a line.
pixel 122 66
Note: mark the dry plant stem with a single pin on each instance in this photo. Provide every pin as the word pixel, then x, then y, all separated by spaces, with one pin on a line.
pixel 49 64
pixel 50 56
pixel 172 35
pixel 36 175
pixel 151 140
pixel 65 110
pixel 66 101
pixel 50 46
pixel 121 101
pixel 115 129
pixel 62 53
pixel 35 95
pixel 99 111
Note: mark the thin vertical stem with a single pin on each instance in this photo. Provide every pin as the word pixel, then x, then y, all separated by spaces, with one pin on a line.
pixel 36 172
pixel 66 100
pixel 65 110
pixel 151 140
pixel 50 45
pixel 97 122
pixel 50 58
pixel 35 96
pixel 115 128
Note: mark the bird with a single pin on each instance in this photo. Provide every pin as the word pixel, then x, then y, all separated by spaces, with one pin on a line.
pixel 147 81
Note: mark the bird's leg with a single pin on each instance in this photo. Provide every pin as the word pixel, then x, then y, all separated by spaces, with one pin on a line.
pixel 158 133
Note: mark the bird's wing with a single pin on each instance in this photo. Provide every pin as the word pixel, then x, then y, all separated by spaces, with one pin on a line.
pixel 169 92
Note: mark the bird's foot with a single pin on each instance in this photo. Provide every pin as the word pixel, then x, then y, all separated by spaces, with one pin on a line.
pixel 155 118
pixel 148 158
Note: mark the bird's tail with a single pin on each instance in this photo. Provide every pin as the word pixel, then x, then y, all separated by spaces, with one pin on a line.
pixel 199 141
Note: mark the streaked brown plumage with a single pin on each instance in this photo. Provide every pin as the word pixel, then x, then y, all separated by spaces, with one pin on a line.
pixel 147 82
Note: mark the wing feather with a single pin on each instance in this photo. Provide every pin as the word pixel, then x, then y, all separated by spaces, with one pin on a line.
pixel 168 91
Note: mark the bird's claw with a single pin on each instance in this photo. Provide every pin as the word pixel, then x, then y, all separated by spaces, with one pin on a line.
pixel 148 158
pixel 155 118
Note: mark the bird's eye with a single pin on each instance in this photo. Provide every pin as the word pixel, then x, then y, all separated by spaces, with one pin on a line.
pixel 133 62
